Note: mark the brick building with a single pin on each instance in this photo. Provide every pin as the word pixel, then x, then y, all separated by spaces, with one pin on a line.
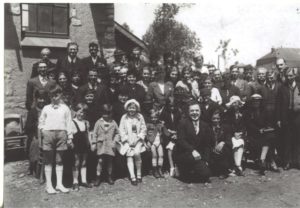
pixel 30 27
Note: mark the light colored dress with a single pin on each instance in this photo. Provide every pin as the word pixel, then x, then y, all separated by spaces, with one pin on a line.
pixel 133 132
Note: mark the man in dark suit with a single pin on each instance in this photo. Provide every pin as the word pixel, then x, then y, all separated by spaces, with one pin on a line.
pixel 134 90
pixel 99 89
pixel 194 145
pixel 96 62
pixel 136 62
pixel 45 53
pixel 71 62
pixel 39 83
pixel 288 118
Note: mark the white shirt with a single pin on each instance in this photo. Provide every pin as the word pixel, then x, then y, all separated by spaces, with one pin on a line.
pixel 70 60
pixel 94 59
pixel 215 96
pixel 161 87
pixel 81 125
pixel 56 118
pixel 43 80
pixel 196 126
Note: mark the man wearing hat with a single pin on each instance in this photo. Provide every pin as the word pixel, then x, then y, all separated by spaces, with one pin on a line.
pixel 136 62
pixel 95 61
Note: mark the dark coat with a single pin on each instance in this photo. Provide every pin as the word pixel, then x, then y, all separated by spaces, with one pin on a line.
pixel 63 65
pixel 118 111
pixel 188 140
pixel 227 90
pixel 207 113
pixel 34 71
pixel 101 94
pixel 155 94
pixel 236 124
pixel 100 65
pixel 34 85
pixel 136 92
pixel 170 123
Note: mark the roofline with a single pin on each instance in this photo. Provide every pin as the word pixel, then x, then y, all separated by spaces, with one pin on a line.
pixel 130 35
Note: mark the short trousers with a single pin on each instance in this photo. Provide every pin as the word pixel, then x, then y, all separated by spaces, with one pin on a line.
pixel 51 156
pixel 55 140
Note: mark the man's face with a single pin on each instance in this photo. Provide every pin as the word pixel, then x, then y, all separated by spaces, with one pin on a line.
pixel 198 62
pixel 42 69
pixel 45 55
pixel 280 64
pixel 248 74
pixel 93 77
pixel 234 73
pixel 290 77
pixel 72 51
pixel 217 76
pixel 207 84
pixel 216 119
pixel 136 53
pixel 271 77
pixel 174 75
pixel 261 76
pixel 56 98
pixel 62 80
pixel 93 51
pixel 194 112
pixel 40 102
pixel 131 79
pixel 211 70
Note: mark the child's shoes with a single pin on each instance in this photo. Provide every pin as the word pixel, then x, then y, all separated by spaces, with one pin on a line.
pixel 98 181
pixel 86 185
pixel 75 187
pixel 172 172
pixel 51 190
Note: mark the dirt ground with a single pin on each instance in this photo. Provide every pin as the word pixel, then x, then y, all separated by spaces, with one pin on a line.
pixel 272 190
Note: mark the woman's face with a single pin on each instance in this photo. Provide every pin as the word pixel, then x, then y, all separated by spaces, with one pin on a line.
pixel 146 75
pixel 216 119
pixel 186 75
pixel 89 98
pixel 174 75
pixel 236 105
pixel 208 84
pixel 132 109
pixel 123 98
pixel 238 135
pixel 62 80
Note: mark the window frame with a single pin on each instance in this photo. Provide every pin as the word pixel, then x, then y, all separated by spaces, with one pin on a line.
pixel 45 34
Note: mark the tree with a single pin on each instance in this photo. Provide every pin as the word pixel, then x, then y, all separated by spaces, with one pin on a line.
pixel 224 52
pixel 126 26
pixel 166 34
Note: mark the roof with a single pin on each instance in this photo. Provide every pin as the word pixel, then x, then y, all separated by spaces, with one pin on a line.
pixel 130 36
pixel 291 56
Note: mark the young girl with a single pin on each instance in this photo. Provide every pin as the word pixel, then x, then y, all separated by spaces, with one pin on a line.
pixel 133 131
pixel 155 132
pixel 171 117
pixel 81 144
pixel 105 135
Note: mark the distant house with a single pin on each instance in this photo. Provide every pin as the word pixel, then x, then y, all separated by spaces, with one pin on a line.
pixel 291 55
pixel 30 27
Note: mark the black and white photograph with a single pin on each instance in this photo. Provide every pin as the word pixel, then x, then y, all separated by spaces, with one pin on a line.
pixel 151 104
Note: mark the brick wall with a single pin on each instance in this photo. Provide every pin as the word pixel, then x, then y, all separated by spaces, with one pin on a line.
pixel 96 24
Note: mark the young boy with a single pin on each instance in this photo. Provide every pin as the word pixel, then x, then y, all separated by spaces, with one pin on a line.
pixel 55 123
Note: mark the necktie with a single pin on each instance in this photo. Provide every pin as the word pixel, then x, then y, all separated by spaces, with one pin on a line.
pixel 196 127
pixel 292 90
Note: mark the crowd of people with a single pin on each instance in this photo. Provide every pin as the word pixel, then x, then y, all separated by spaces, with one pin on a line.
pixel 129 118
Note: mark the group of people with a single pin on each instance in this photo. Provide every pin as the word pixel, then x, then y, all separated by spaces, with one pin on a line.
pixel 91 119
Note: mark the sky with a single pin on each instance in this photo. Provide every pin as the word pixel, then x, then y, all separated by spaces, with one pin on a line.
pixel 254 27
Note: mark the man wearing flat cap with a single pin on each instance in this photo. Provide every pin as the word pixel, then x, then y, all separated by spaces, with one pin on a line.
pixel 45 54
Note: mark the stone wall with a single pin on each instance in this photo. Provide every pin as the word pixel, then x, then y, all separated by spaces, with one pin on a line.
pixel 96 23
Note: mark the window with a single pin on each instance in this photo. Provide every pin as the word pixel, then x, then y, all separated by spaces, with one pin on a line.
pixel 45 20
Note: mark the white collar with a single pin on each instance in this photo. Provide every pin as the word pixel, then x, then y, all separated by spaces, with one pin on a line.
pixel 43 79
pixel 75 87
pixel 70 60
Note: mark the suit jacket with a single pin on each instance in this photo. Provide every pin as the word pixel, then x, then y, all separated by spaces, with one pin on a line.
pixel 100 65
pixel 207 113
pixel 156 95
pixel 34 71
pixel 63 65
pixel 188 140
pixel 101 96
pixel 33 85
pixel 283 102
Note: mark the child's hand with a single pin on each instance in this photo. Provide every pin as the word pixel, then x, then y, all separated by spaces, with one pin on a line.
pixel 70 143
pixel 93 147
